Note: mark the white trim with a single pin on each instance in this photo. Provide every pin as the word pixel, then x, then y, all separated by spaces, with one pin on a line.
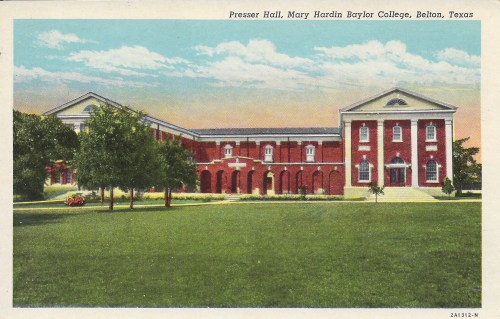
pixel 268 156
pixel 396 89
pixel 310 158
pixel 449 148
pixel 228 150
pixel 437 172
pixel 427 139
pixel 400 139
pixel 347 152
pixel 366 139
pixel 414 153
pixel 370 166
pixel 380 152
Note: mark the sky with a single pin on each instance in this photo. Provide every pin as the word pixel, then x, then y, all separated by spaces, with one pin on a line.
pixel 221 73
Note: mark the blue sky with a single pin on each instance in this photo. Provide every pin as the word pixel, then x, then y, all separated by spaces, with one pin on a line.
pixel 207 73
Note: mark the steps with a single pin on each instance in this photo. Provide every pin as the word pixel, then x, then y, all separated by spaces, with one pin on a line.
pixel 402 194
pixel 232 197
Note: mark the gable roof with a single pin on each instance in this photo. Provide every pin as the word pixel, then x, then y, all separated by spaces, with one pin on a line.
pixel 416 95
pixel 211 132
pixel 83 98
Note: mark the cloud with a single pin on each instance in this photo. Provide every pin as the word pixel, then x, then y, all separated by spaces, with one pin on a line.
pixel 125 60
pixel 373 63
pixel 54 39
pixel 22 74
pixel 256 51
pixel 458 57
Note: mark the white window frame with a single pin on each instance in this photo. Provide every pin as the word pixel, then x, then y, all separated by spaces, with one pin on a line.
pixel 434 133
pixel 394 139
pixel 369 172
pixel 364 139
pixel 310 153
pixel 268 153
pixel 436 180
pixel 228 150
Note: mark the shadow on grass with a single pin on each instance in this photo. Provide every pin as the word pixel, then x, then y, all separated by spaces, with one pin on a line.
pixel 33 218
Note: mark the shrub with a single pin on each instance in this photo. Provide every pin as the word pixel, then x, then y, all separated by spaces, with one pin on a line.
pixel 75 200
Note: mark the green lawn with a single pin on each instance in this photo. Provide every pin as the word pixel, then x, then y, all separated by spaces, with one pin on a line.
pixel 262 255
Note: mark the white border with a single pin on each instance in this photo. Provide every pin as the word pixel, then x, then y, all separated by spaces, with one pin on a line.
pixel 487 11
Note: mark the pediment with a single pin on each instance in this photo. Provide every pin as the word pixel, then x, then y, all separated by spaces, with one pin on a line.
pixel 398 100
pixel 81 105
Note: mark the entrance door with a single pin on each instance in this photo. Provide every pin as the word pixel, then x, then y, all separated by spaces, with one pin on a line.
pixel 398 176
pixel 397 172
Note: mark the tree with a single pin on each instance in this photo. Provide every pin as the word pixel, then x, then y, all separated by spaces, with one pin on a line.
pixel 38 141
pixel 142 167
pixel 447 187
pixel 113 150
pixel 466 170
pixel 377 190
pixel 175 168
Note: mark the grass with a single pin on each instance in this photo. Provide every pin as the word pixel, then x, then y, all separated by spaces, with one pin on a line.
pixel 251 255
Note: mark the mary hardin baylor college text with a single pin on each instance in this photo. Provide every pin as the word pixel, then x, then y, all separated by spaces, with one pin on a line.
pixel 347 14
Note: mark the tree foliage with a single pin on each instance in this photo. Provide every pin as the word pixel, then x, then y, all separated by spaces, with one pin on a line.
pixel 376 190
pixel 114 151
pixel 447 187
pixel 38 141
pixel 175 168
pixel 466 170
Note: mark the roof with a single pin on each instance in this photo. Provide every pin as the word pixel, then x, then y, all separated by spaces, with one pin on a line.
pixel 270 131
pixel 82 98
pixel 396 89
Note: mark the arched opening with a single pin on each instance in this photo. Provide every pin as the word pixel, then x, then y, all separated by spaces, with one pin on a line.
pixel 221 182
pixel 268 183
pixel 397 172
pixel 249 182
pixel 205 182
pixel 284 183
pixel 235 182
pixel 298 182
pixel 317 183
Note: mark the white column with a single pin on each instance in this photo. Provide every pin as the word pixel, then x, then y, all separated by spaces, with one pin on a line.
pixel 347 152
pixel 449 148
pixel 380 152
pixel 414 153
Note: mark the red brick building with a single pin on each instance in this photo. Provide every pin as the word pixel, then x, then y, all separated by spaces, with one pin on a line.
pixel 397 138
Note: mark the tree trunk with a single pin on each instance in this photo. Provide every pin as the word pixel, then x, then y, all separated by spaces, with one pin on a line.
pixel 165 197
pixel 111 198
pixel 169 197
pixel 132 198
pixel 102 196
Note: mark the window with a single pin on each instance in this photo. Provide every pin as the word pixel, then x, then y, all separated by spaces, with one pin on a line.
pixel 268 153
pixel 89 108
pixel 228 150
pixel 68 177
pixel 364 135
pixel 431 171
pixel 396 134
pixel 430 133
pixel 364 171
pixel 396 102
pixel 310 153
